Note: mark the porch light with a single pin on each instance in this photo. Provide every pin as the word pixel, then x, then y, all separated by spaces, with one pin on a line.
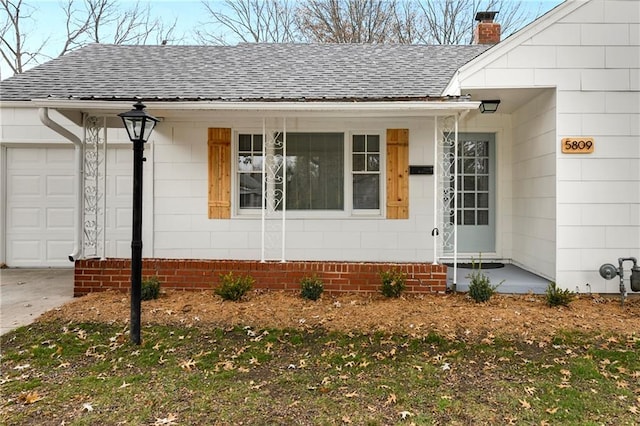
pixel 139 125
pixel 489 107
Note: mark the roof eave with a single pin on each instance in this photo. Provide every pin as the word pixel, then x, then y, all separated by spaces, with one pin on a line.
pixel 373 108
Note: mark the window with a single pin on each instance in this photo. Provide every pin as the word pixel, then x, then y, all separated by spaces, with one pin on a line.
pixel 314 174
pixel 323 173
pixel 250 171
pixel 473 183
pixel 366 172
pixel 315 171
pixel 318 175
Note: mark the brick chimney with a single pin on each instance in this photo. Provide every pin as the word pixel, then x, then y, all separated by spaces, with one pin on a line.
pixel 487 31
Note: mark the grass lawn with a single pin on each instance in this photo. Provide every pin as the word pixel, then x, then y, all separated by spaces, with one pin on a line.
pixel 86 373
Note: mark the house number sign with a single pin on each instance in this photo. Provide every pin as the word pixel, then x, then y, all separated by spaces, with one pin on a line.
pixel 577 145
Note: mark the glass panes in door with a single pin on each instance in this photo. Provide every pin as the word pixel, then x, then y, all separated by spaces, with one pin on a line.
pixel 473 183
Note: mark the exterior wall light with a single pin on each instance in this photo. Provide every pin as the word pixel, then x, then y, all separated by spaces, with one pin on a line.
pixel 139 125
pixel 489 107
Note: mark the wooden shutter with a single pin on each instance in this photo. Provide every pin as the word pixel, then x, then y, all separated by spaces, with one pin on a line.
pixel 397 173
pixel 219 173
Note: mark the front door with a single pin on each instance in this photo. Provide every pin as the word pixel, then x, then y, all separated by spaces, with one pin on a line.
pixel 475 213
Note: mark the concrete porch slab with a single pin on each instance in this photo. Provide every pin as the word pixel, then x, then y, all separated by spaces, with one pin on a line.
pixel 514 280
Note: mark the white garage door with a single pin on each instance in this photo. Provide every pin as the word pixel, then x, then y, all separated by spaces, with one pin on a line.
pixel 40 209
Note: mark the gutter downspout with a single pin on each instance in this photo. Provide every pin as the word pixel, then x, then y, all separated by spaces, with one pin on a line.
pixel 79 172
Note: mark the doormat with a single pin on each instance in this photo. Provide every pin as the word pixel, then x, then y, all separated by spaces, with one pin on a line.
pixel 484 265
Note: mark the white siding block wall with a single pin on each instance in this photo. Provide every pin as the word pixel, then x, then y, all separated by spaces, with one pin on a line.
pixel 182 229
pixel 597 81
pixel 534 176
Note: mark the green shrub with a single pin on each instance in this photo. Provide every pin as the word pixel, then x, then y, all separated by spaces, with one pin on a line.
pixel 311 288
pixel 558 297
pixel 393 282
pixel 150 288
pixel 234 288
pixel 480 288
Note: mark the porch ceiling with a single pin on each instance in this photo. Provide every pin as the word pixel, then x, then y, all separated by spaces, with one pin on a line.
pixel 510 99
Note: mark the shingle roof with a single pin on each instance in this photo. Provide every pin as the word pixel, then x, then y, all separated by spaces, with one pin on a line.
pixel 256 72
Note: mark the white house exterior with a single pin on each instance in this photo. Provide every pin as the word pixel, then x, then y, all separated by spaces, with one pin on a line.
pixel 573 73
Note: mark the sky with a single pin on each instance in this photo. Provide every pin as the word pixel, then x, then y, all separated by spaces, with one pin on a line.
pixel 48 19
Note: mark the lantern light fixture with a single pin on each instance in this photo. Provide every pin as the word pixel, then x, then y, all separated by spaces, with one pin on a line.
pixel 489 106
pixel 138 123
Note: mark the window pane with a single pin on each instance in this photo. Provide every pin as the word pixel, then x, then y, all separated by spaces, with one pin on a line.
pixel 373 143
pixel 250 190
pixel 244 143
pixel 315 171
pixel 248 163
pixel 469 183
pixel 482 166
pixel 358 162
pixel 469 167
pixel 482 148
pixel 469 217
pixel 358 143
pixel 483 200
pixel 373 163
pixel 483 217
pixel 257 143
pixel 469 200
pixel 366 191
pixel 483 183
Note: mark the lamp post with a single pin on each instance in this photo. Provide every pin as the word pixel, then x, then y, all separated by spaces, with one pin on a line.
pixel 139 125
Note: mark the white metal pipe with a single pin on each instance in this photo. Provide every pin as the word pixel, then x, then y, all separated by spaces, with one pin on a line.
pixel 104 192
pixel 264 171
pixel 284 185
pixel 455 204
pixel 43 113
pixel 435 191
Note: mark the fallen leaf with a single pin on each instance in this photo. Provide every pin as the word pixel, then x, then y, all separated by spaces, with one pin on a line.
pixel 552 410
pixel 169 420
pixel 124 385
pixel 392 399
pixel 29 397
pixel 405 414
pixel 633 409
pixel 87 407
pixel 187 364
pixel 525 404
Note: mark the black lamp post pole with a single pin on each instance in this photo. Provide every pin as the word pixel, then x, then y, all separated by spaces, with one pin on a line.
pixel 136 242
pixel 139 125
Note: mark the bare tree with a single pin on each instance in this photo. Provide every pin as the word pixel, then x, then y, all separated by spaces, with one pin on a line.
pixel 407 23
pixel 347 21
pixel 86 21
pixel 260 21
pixel 452 21
pixel 109 23
pixel 14 40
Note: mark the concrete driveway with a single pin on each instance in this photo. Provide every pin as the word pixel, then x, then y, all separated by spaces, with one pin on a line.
pixel 25 294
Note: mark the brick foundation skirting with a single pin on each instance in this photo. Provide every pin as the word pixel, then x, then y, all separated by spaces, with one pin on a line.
pixel 93 275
